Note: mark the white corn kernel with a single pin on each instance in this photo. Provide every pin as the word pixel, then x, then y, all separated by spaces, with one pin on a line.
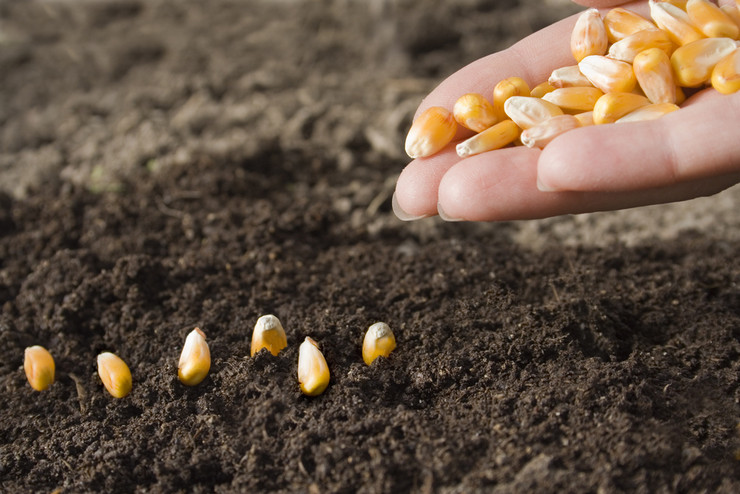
pixel 268 333
pixel 195 359
pixel 313 371
pixel 38 365
pixel 379 342
pixel 649 112
pixel 608 74
pixel 115 374
pixel 569 76
pixel 527 111
pixel 588 36
pixel 540 135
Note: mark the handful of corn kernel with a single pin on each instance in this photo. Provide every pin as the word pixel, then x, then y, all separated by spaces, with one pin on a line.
pixel 627 69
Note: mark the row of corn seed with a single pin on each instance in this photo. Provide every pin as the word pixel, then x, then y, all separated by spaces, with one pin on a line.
pixel 195 359
pixel 628 69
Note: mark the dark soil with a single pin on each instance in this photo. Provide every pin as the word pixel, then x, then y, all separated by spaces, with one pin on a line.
pixel 167 165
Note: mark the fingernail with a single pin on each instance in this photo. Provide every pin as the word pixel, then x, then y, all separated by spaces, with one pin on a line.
pixel 401 214
pixel 444 216
pixel 544 188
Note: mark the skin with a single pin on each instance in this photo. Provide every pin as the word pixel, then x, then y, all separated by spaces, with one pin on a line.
pixel 686 154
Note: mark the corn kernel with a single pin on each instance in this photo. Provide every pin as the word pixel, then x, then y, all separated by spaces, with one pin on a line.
pixel 527 111
pixel 726 74
pixel 733 13
pixel 585 119
pixel 588 36
pixel 195 359
pixel 607 74
pixel 379 342
pixel 313 372
pixel 648 112
pixel 431 132
pixel 574 99
pixel 681 4
pixel 711 20
pixel 693 63
pixel 541 134
pixel 474 112
pixel 268 333
pixel 627 49
pixel 620 23
pixel 39 367
pixel 613 106
pixel 115 374
pixel 569 76
pixel 541 89
pixel 505 89
pixel 496 137
pixel 675 22
pixel 655 75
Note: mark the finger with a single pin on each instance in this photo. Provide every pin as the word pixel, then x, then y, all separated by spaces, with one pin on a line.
pixel 502 186
pixel 700 140
pixel 416 188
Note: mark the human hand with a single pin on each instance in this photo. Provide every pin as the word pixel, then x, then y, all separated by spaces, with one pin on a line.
pixel 689 153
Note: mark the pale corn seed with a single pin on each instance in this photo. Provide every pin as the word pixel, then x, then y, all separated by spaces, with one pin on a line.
pixel 613 106
pixel 574 99
pixel 430 132
pixel 313 371
pixel 473 111
pixel 38 365
pixel 711 20
pixel 627 49
pixel 500 135
pixel 195 359
pixel 588 36
pixel 569 76
pixel 608 74
pixel 268 333
pixel 733 12
pixel 693 63
pixel 115 374
pixel 379 341
pixel 541 89
pixel 542 134
pixel 654 74
pixel 620 23
pixel 585 119
pixel 648 112
pixel 726 74
pixel 505 89
pixel 675 22
pixel 527 111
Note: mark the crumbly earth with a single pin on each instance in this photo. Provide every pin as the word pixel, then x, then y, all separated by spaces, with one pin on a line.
pixel 172 164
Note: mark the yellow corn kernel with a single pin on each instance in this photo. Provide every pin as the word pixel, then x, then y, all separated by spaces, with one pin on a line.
pixel 541 89
pixel 429 133
pixel 648 112
pixel 613 106
pixel 711 20
pixel 115 374
pixel 693 63
pixel 505 89
pixel 732 12
pixel 541 134
pixel 574 99
pixel 474 112
pixel 195 359
pixel 681 4
pixel 588 36
pixel 607 74
pixel 39 367
pixel 379 342
pixel 620 23
pixel 655 75
pixel 585 119
pixel 675 22
pixel 627 49
pixel 680 96
pixel 528 111
pixel 569 76
pixel 313 372
pixel 268 333
pixel 726 74
pixel 496 137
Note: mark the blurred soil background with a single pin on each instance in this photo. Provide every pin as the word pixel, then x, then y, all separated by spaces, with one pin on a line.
pixel 172 164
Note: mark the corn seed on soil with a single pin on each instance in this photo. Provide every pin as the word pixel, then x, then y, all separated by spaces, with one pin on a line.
pixel 167 165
